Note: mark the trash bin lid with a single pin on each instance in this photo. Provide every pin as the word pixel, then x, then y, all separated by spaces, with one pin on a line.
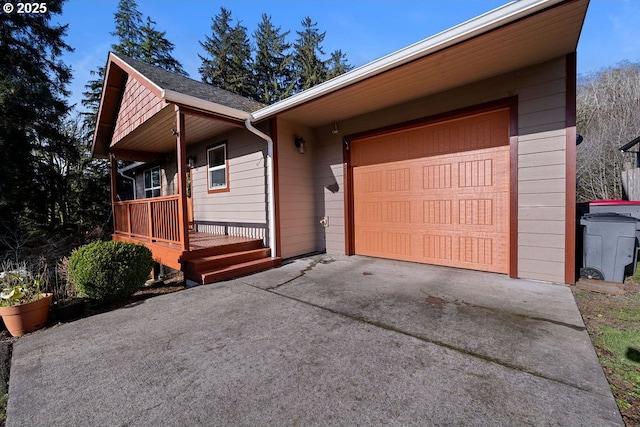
pixel 613 202
pixel 608 217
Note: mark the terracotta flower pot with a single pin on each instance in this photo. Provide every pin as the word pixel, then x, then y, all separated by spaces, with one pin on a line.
pixel 24 318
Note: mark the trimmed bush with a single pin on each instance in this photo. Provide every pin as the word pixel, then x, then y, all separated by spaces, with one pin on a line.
pixel 109 271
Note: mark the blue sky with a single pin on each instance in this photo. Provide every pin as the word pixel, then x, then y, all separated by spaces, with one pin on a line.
pixel 364 29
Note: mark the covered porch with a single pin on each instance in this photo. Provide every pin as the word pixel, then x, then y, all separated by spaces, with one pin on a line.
pixel 166 130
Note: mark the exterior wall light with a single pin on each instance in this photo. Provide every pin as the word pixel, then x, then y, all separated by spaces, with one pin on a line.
pixel 300 143
pixel 191 161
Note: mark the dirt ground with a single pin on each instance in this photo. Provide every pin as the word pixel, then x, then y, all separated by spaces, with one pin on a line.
pixel 613 323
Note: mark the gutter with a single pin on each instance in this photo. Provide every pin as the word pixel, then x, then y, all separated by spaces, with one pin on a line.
pixel 467 30
pixel 270 183
pixel 133 165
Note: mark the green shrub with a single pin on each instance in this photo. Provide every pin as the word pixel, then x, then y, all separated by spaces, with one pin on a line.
pixel 109 271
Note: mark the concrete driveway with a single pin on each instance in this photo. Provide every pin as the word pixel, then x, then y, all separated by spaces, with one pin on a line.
pixel 323 340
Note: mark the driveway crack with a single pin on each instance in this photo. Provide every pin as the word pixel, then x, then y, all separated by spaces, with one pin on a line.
pixel 304 271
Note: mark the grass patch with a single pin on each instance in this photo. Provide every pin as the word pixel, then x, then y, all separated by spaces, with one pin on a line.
pixel 3 408
pixel 625 345
pixel 622 404
pixel 629 316
pixel 620 358
pixel 636 274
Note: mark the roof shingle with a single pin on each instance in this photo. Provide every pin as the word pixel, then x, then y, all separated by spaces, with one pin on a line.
pixel 185 85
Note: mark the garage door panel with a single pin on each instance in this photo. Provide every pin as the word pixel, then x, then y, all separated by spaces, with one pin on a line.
pixel 476 251
pixel 448 209
pixel 488 213
pixel 468 173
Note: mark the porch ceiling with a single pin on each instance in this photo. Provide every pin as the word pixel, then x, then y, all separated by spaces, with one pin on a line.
pixel 156 134
pixel 540 37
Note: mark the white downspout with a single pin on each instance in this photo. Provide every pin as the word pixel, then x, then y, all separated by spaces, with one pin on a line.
pixel 133 182
pixel 270 183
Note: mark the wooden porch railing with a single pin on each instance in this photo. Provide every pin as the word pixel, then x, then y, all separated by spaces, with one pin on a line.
pixel 156 219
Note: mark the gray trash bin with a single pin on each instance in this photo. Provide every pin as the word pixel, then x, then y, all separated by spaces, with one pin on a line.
pixel 622 207
pixel 609 246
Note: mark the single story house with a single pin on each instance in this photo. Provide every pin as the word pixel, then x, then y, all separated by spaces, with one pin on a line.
pixel 458 150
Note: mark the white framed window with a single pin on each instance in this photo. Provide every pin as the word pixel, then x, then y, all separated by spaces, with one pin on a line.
pixel 152 182
pixel 217 170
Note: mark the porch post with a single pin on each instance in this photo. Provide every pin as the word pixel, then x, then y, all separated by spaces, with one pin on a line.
pixel 114 171
pixel 182 179
pixel 114 190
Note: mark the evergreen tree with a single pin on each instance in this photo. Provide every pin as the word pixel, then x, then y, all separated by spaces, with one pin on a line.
pixel 227 61
pixel 86 197
pixel 75 188
pixel 92 95
pixel 128 20
pixel 310 69
pixel 273 64
pixel 33 83
pixel 136 40
pixel 155 49
pixel 337 64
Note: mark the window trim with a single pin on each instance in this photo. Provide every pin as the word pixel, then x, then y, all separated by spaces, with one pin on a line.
pixel 226 167
pixel 152 188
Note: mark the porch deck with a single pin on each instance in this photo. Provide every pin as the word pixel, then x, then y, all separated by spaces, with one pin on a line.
pixel 199 240
pixel 200 244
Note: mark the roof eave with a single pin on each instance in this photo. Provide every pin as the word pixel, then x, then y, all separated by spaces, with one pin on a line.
pixel 100 155
pixel 100 150
pixel 174 97
pixel 130 69
pixel 114 59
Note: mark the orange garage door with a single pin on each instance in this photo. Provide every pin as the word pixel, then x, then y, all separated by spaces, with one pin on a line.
pixel 437 194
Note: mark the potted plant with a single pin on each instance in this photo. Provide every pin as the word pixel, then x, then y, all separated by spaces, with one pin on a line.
pixel 23 306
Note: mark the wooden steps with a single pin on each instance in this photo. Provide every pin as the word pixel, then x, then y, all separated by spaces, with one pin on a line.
pixel 223 249
pixel 229 262
pixel 211 257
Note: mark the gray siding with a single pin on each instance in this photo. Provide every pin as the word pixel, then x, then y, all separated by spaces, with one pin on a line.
pixel 329 181
pixel 245 202
pixel 542 161
pixel 297 201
